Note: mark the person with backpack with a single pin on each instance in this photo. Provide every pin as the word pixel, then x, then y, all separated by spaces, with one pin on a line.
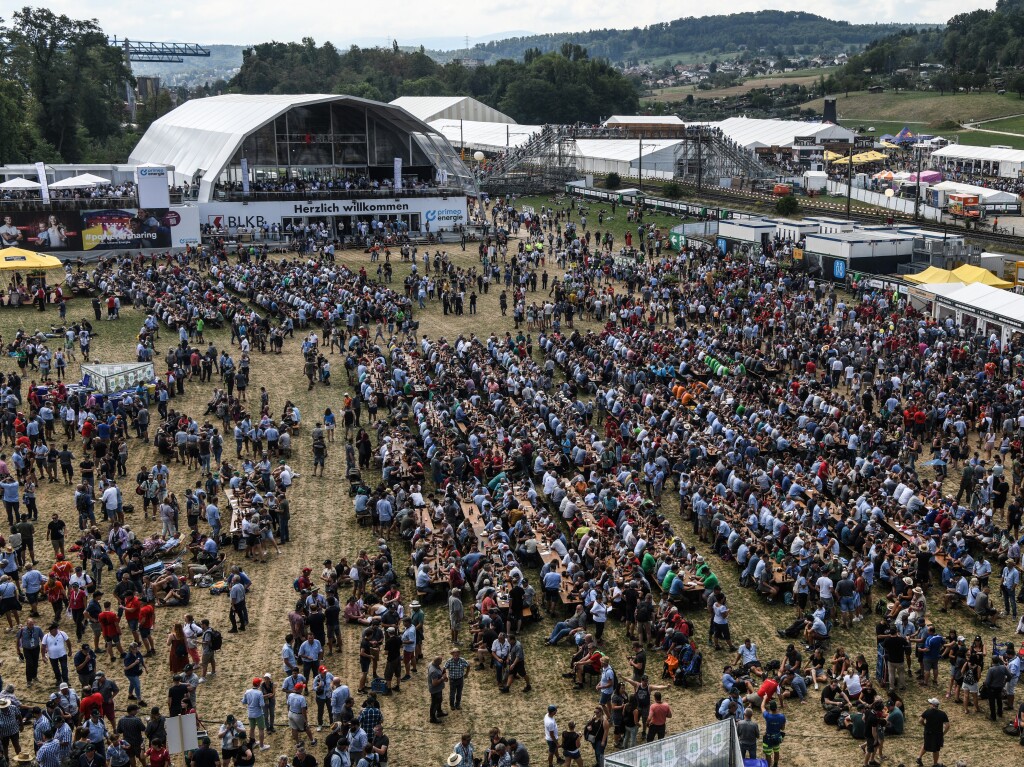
pixel 212 641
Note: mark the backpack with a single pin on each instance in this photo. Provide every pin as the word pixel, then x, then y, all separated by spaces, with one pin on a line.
pixel 216 640
pixel 181 651
pixel 832 715
pixel 329 755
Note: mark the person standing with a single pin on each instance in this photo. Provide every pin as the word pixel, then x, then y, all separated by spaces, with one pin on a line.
pixel 30 637
pixel 56 644
pixel 436 677
pixel 748 733
pixel 995 681
pixel 456 667
pixel 596 734
pixel 936 725
pixel 256 710
pixel 657 719
pixel 774 732
pixel 516 665
pixel 239 614
pixel 551 735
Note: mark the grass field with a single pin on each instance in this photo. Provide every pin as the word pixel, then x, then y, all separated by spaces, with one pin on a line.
pixel 1011 124
pixel 799 77
pixel 922 107
pixel 323 526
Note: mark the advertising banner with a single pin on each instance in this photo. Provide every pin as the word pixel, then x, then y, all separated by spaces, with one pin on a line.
pixel 43 231
pixel 439 212
pixel 398 173
pixel 245 176
pixel 45 189
pixel 152 184
pixel 126 228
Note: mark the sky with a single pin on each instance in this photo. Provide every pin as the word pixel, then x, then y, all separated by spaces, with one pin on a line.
pixel 427 21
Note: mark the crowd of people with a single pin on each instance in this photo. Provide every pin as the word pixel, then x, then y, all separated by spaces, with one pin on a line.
pixel 721 413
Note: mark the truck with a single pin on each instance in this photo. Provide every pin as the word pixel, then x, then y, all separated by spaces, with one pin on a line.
pixel 964 206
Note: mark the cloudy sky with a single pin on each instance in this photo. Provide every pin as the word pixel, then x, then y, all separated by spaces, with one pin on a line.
pixel 416 21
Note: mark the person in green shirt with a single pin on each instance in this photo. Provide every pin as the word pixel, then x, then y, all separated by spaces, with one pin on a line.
pixel 710 581
pixel 666 582
pixel 648 563
pixel 895 722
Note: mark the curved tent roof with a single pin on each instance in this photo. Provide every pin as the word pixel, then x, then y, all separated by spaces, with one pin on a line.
pixel 430 108
pixel 202 135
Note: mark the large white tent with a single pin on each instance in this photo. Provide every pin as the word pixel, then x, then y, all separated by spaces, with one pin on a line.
pixel 80 182
pixel 20 184
pixel 987 160
pixel 623 156
pixel 752 133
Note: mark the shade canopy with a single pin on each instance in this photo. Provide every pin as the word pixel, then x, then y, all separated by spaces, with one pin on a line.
pixel 18 258
pixel 78 182
pixel 20 183
pixel 933 276
pixel 968 274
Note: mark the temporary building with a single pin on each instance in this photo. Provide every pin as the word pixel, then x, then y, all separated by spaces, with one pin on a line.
pixel 112 378
pixel 994 161
pixel 487 136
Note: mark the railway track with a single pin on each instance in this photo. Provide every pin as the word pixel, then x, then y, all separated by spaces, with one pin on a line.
pixel 859 213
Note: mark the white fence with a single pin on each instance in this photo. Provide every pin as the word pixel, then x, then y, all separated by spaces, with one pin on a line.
pixel 895 204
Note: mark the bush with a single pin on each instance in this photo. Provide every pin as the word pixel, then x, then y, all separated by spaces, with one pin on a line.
pixel 787 205
pixel 672 190
pixel 613 181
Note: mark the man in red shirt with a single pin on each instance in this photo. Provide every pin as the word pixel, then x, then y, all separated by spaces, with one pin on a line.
pixel 147 619
pixel 132 606
pixel 89 702
pixel 76 604
pixel 768 689
pixel 657 718
pixel 110 627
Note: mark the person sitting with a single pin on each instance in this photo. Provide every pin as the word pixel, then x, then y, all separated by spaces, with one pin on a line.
pixel 746 655
pixel 815 631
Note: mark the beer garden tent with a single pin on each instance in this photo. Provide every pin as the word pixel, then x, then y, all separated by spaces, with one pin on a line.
pixel 27 260
pixel 79 182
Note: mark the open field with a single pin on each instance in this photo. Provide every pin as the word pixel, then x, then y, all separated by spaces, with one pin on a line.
pixel 323 526
pixel 678 93
pixel 922 107
pixel 1010 124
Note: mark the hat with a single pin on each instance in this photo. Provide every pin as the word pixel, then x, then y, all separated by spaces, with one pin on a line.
pixel 414 604
pixel 306 570
pixel 454 760
pixel 934 701
pixel 4 703
pixel 918 590
pixel 454 650
pixel 961 639
pixel 27 758
pixel 256 680
pixel 322 669
pixel 909 581
pixel 552 708
pixel 268 675
pixel 63 686
pixel 391 629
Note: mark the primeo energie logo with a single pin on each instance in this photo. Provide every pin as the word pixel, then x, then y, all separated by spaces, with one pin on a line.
pixel 444 214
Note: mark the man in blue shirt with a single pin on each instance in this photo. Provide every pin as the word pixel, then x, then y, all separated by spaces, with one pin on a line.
pixel 774 732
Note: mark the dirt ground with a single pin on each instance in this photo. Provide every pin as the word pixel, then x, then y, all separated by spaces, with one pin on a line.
pixel 324 527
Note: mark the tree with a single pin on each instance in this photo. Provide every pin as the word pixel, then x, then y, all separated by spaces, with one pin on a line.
pixel 77 81
pixel 787 205
pixel 944 82
pixel 612 181
pixel 1017 85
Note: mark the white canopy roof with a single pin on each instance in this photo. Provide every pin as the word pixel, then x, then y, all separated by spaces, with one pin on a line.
pixel 484 135
pixel 752 133
pixel 984 193
pixel 20 183
pixel 429 108
pixel 625 150
pixel 202 135
pixel 965 152
pixel 668 120
pixel 1002 303
pixel 78 182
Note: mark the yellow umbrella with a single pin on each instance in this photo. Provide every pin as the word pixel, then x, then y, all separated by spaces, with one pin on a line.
pixel 18 258
pixel 832 156
pixel 841 161
pixel 889 145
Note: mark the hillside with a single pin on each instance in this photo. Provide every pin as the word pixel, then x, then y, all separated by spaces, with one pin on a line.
pixel 789 31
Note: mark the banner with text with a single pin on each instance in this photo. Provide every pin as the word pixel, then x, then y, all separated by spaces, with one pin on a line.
pixel 439 212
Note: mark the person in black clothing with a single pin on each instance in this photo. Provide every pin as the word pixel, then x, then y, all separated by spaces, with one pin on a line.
pixel 176 695
pixel 204 756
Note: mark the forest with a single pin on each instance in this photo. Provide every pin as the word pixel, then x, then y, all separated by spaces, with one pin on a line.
pixel 752 30
pixel 970 49
pixel 564 86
